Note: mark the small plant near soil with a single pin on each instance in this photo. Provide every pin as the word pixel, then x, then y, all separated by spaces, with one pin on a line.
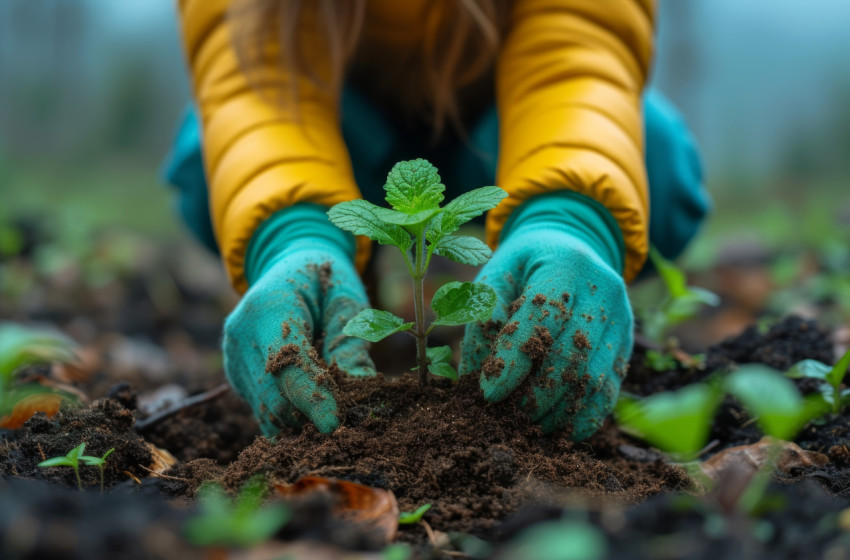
pixel 681 303
pixel 420 228
pixel 413 517
pixel 99 462
pixel 679 422
pixel 72 459
pixel 242 522
pixel 21 347
pixel 831 378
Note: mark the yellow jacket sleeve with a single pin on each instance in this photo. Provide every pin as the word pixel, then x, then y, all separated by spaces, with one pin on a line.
pixel 259 157
pixel 569 82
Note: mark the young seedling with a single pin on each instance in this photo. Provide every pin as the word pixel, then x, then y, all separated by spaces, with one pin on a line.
pixel 420 228
pixel 831 377
pixel 681 303
pixel 241 523
pixel 72 459
pixel 679 422
pixel 99 462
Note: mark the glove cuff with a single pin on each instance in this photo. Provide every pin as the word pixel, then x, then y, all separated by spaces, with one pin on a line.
pixel 575 214
pixel 298 227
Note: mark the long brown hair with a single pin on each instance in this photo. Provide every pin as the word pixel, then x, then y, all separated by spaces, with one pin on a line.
pixel 461 40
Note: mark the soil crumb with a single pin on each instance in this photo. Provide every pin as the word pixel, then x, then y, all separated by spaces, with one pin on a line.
pixel 443 444
pixel 288 355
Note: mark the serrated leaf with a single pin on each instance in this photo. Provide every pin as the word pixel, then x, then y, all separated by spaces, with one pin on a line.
pixel 443 369
pixel 676 422
pixel 374 325
pixel 811 369
pixel 403 219
pixel 362 218
pixel 458 303
pixel 772 399
pixel 439 354
pixel 470 205
pixel 413 186
pixel 463 249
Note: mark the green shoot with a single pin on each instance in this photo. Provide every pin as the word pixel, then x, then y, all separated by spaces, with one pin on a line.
pixel 72 459
pixel 679 422
pixel 420 228
pixel 831 377
pixel 242 522
pixel 413 517
pixel 99 462
pixel 675 422
pixel 681 303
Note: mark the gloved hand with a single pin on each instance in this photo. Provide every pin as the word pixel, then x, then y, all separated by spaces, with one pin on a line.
pixel 562 330
pixel 303 288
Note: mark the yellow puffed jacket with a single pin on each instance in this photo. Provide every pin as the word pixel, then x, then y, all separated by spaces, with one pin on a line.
pixel 568 83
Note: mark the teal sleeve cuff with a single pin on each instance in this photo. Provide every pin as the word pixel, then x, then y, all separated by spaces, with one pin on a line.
pixel 303 226
pixel 575 214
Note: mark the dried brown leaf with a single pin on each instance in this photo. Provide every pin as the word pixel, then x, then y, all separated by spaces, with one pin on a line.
pixel 47 403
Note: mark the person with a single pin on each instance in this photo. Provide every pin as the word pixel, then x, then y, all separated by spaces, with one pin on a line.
pixel 300 104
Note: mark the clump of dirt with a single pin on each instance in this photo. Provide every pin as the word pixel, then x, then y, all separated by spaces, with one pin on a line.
pixel 103 425
pixel 443 444
pixel 217 430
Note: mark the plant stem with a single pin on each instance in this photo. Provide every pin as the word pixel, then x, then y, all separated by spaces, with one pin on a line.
pixel 419 309
pixel 79 482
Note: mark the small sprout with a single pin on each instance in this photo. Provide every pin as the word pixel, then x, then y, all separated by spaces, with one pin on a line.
pixel 675 422
pixel 242 522
pixel 682 303
pixel 99 462
pixel 413 517
pixel 420 228
pixel 72 459
pixel 831 377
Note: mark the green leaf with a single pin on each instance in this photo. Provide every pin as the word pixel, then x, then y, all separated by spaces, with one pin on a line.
pixel 374 325
pixel 458 303
pixel 836 375
pixel 442 369
pixel 558 540
pixel 22 346
pixel 96 461
pixel 414 186
pixel 406 220
pixel 772 399
pixel 57 462
pixel 411 517
pixel 75 453
pixel 469 205
pixel 361 218
pixel 439 354
pixel 463 249
pixel 672 276
pixel 676 422
pixel 811 369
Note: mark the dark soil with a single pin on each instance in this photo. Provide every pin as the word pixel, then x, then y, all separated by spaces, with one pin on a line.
pixel 106 424
pixel 444 445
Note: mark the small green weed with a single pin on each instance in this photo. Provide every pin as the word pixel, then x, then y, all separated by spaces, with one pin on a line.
pixel 72 459
pixel 242 522
pixel 413 517
pixel 831 378
pixel 420 228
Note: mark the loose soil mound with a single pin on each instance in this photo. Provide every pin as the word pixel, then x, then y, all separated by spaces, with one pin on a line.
pixel 444 445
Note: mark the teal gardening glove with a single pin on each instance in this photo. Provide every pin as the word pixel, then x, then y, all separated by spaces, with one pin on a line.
pixel 303 288
pixel 562 330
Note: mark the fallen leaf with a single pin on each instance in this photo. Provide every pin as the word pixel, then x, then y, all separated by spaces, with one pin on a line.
pixel 373 508
pixel 47 403
pixel 161 460
pixel 751 458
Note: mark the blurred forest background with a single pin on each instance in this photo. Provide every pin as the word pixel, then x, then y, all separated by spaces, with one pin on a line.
pixel 91 92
